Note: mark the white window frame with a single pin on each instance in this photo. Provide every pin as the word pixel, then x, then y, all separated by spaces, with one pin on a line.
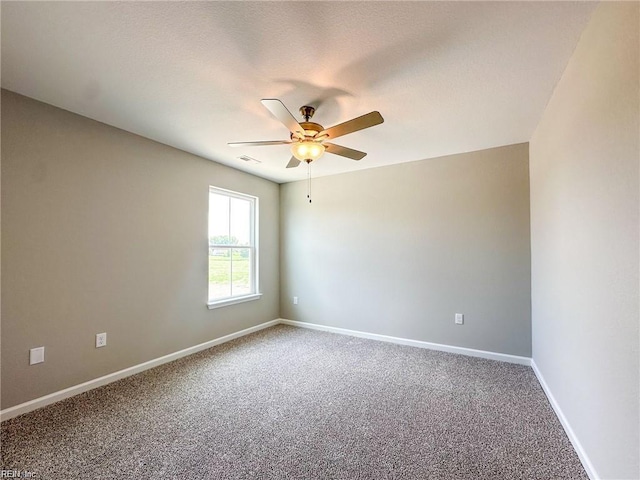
pixel 253 249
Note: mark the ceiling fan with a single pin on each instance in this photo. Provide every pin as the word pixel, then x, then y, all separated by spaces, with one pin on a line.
pixel 308 140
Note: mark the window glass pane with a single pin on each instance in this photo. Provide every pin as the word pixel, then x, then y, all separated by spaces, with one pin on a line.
pixel 232 253
pixel 241 284
pixel 240 222
pixel 218 219
pixel 219 273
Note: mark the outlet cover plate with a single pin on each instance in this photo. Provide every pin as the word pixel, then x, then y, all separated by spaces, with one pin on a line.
pixel 36 355
pixel 459 319
pixel 101 340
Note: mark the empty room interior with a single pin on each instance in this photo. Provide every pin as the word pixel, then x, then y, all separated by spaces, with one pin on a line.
pixel 320 240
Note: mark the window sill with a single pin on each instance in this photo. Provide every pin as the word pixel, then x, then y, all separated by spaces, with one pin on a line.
pixel 233 301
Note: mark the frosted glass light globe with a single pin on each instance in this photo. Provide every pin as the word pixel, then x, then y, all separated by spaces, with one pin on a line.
pixel 307 150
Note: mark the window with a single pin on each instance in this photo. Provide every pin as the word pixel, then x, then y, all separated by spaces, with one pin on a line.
pixel 233 253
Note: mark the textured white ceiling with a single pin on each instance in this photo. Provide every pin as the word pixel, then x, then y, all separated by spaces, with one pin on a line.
pixel 448 77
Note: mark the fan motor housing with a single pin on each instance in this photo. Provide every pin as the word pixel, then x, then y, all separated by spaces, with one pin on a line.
pixel 310 128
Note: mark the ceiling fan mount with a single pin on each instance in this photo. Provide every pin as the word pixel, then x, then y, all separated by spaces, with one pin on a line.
pixel 308 140
pixel 307 112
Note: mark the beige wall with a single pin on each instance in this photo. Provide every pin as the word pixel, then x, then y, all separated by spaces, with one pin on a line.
pixel 399 250
pixel 584 228
pixel 105 231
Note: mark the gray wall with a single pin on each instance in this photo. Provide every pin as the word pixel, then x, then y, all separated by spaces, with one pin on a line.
pixel 399 250
pixel 105 231
pixel 584 229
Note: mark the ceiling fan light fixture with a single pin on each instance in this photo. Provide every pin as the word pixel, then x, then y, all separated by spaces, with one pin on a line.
pixel 307 150
pixel 307 139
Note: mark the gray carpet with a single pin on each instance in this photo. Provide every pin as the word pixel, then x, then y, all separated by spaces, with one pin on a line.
pixel 289 403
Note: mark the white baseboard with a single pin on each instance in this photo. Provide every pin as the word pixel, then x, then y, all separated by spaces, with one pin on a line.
pixel 582 455
pixel 502 357
pixel 112 377
pixel 40 402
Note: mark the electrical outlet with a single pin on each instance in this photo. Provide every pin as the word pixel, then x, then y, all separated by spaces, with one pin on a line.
pixel 295 300
pixel 459 319
pixel 101 340
pixel 36 355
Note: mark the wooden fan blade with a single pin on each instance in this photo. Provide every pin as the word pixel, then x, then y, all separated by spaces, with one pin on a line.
pixel 258 144
pixel 360 123
pixel 278 110
pixel 294 162
pixel 344 151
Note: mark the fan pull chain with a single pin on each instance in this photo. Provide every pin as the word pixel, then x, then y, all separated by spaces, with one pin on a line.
pixel 309 181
